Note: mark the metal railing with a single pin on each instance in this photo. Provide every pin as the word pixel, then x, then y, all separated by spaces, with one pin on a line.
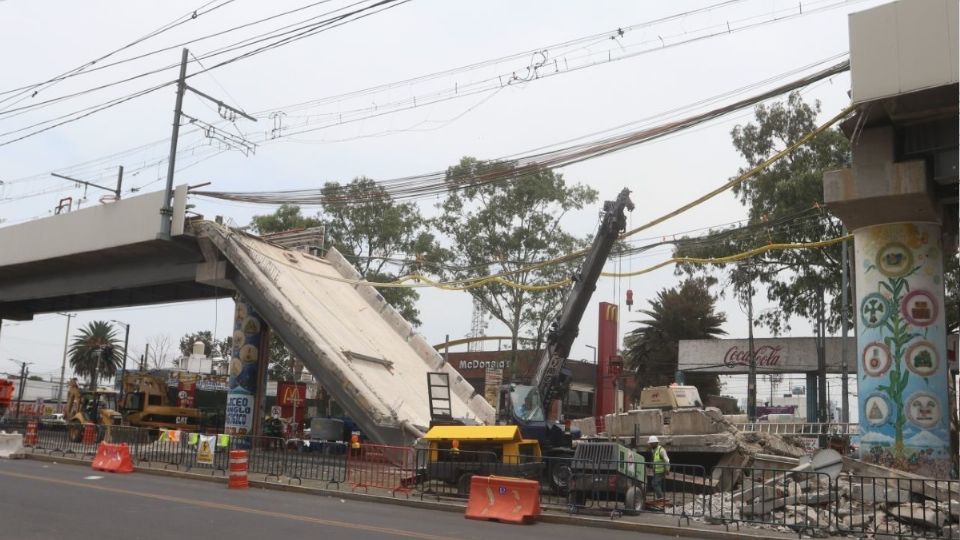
pixel 807 502
pixel 800 428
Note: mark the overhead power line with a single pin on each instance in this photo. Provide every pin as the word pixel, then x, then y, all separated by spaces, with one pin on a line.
pixel 300 33
pixel 431 184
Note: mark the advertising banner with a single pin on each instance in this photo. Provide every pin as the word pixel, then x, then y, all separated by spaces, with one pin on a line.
pixel 244 361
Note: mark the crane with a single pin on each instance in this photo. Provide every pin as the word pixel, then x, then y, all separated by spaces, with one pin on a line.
pixel 525 405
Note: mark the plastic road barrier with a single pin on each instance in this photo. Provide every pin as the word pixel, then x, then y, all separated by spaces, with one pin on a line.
pixel 11 445
pixel 499 498
pixel 238 470
pixel 31 437
pixel 89 433
pixel 113 458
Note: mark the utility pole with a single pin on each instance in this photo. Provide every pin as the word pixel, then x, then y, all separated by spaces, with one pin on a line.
pixel 752 376
pixel 166 211
pixel 126 342
pixel 23 380
pixel 844 300
pixel 146 358
pixel 821 363
pixel 63 363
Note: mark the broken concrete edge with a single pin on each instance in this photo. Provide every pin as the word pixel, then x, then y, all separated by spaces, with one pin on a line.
pixel 559 519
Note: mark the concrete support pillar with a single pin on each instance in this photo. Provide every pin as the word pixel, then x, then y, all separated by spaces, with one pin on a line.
pixel 250 346
pixel 901 338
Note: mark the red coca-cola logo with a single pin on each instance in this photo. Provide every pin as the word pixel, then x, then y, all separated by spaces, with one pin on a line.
pixel 765 356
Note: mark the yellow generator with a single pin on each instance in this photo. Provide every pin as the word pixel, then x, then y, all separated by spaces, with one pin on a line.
pixel 456 453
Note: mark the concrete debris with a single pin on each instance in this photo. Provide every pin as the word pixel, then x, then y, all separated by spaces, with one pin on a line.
pixel 813 506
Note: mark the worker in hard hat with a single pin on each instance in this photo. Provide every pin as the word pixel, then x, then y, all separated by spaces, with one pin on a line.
pixel 661 464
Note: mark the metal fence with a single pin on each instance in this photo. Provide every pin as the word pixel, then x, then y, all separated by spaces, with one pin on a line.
pixel 807 502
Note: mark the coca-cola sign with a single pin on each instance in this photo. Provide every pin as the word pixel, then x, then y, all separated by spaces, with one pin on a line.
pixel 765 356
pixel 772 355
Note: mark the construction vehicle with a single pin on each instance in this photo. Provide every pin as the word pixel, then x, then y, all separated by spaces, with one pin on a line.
pixel 145 403
pixel 456 453
pixel 526 406
pixel 90 407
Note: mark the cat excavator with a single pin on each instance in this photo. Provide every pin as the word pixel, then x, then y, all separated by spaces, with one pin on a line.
pixel 145 403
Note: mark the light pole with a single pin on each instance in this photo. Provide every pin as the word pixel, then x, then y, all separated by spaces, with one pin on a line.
pixel 126 341
pixel 594 352
pixel 63 364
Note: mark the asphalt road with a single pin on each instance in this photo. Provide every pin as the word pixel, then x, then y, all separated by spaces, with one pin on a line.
pixel 41 500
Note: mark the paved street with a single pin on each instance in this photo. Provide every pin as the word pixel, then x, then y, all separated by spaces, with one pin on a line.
pixel 46 500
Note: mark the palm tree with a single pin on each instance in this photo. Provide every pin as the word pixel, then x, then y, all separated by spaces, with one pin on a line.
pixel 96 352
pixel 686 312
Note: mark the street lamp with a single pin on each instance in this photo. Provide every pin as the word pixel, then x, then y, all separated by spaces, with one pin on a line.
pixel 126 341
pixel 594 352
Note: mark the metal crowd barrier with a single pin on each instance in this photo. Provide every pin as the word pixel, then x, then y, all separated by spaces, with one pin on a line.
pixel 391 468
pixel 898 507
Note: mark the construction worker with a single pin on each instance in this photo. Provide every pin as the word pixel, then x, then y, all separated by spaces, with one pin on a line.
pixel 661 464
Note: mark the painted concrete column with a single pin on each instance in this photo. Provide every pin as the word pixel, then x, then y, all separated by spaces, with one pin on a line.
pixel 245 359
pixel 901 339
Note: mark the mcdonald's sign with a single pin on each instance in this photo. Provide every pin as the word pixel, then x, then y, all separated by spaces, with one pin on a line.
pixel 611 312
pixel 291 395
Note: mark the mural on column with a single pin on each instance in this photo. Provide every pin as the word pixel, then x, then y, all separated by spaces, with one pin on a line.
pixel 244 359
pixel 902 340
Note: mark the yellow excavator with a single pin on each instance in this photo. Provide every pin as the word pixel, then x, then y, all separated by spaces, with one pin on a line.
pixel 145 404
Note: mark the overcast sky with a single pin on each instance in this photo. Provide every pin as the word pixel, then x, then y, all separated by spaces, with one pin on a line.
pixel 650 70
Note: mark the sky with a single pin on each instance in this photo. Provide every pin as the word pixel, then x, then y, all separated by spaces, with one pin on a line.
pixel 670 55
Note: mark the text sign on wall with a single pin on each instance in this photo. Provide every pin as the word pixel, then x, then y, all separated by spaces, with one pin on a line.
pixel 773 355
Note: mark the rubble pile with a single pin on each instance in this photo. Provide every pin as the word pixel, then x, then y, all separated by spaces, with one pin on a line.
pixel 814 505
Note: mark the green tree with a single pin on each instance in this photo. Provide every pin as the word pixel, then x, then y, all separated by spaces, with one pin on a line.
pixel 497 227
pixel 684 312
pixel 381 237
pixel 96 352
pixel 287 217
pixel 206 337
pixel 368 227
pixel 785 203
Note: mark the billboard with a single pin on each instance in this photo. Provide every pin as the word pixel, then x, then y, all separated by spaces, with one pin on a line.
pixel 773 355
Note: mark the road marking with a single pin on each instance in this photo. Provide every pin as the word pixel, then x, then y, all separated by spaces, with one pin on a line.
pixel 234 508
pixel 92 477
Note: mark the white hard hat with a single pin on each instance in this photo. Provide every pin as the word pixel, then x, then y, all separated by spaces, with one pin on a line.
pixel 653 439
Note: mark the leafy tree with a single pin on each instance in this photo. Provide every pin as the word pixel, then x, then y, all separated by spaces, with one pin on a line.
pixel 684 312
pixel 785 204
pixel 497 227
pixel 206 337
pixel 371 230
pixel 286 217
pixel 96 352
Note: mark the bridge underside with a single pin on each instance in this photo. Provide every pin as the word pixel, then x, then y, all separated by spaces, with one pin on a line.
pixel 151 272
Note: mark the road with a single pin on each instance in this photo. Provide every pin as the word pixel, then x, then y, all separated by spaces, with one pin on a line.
pixel 41 500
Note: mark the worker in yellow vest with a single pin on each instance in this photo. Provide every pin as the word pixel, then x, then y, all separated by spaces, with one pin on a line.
pixel 661 464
